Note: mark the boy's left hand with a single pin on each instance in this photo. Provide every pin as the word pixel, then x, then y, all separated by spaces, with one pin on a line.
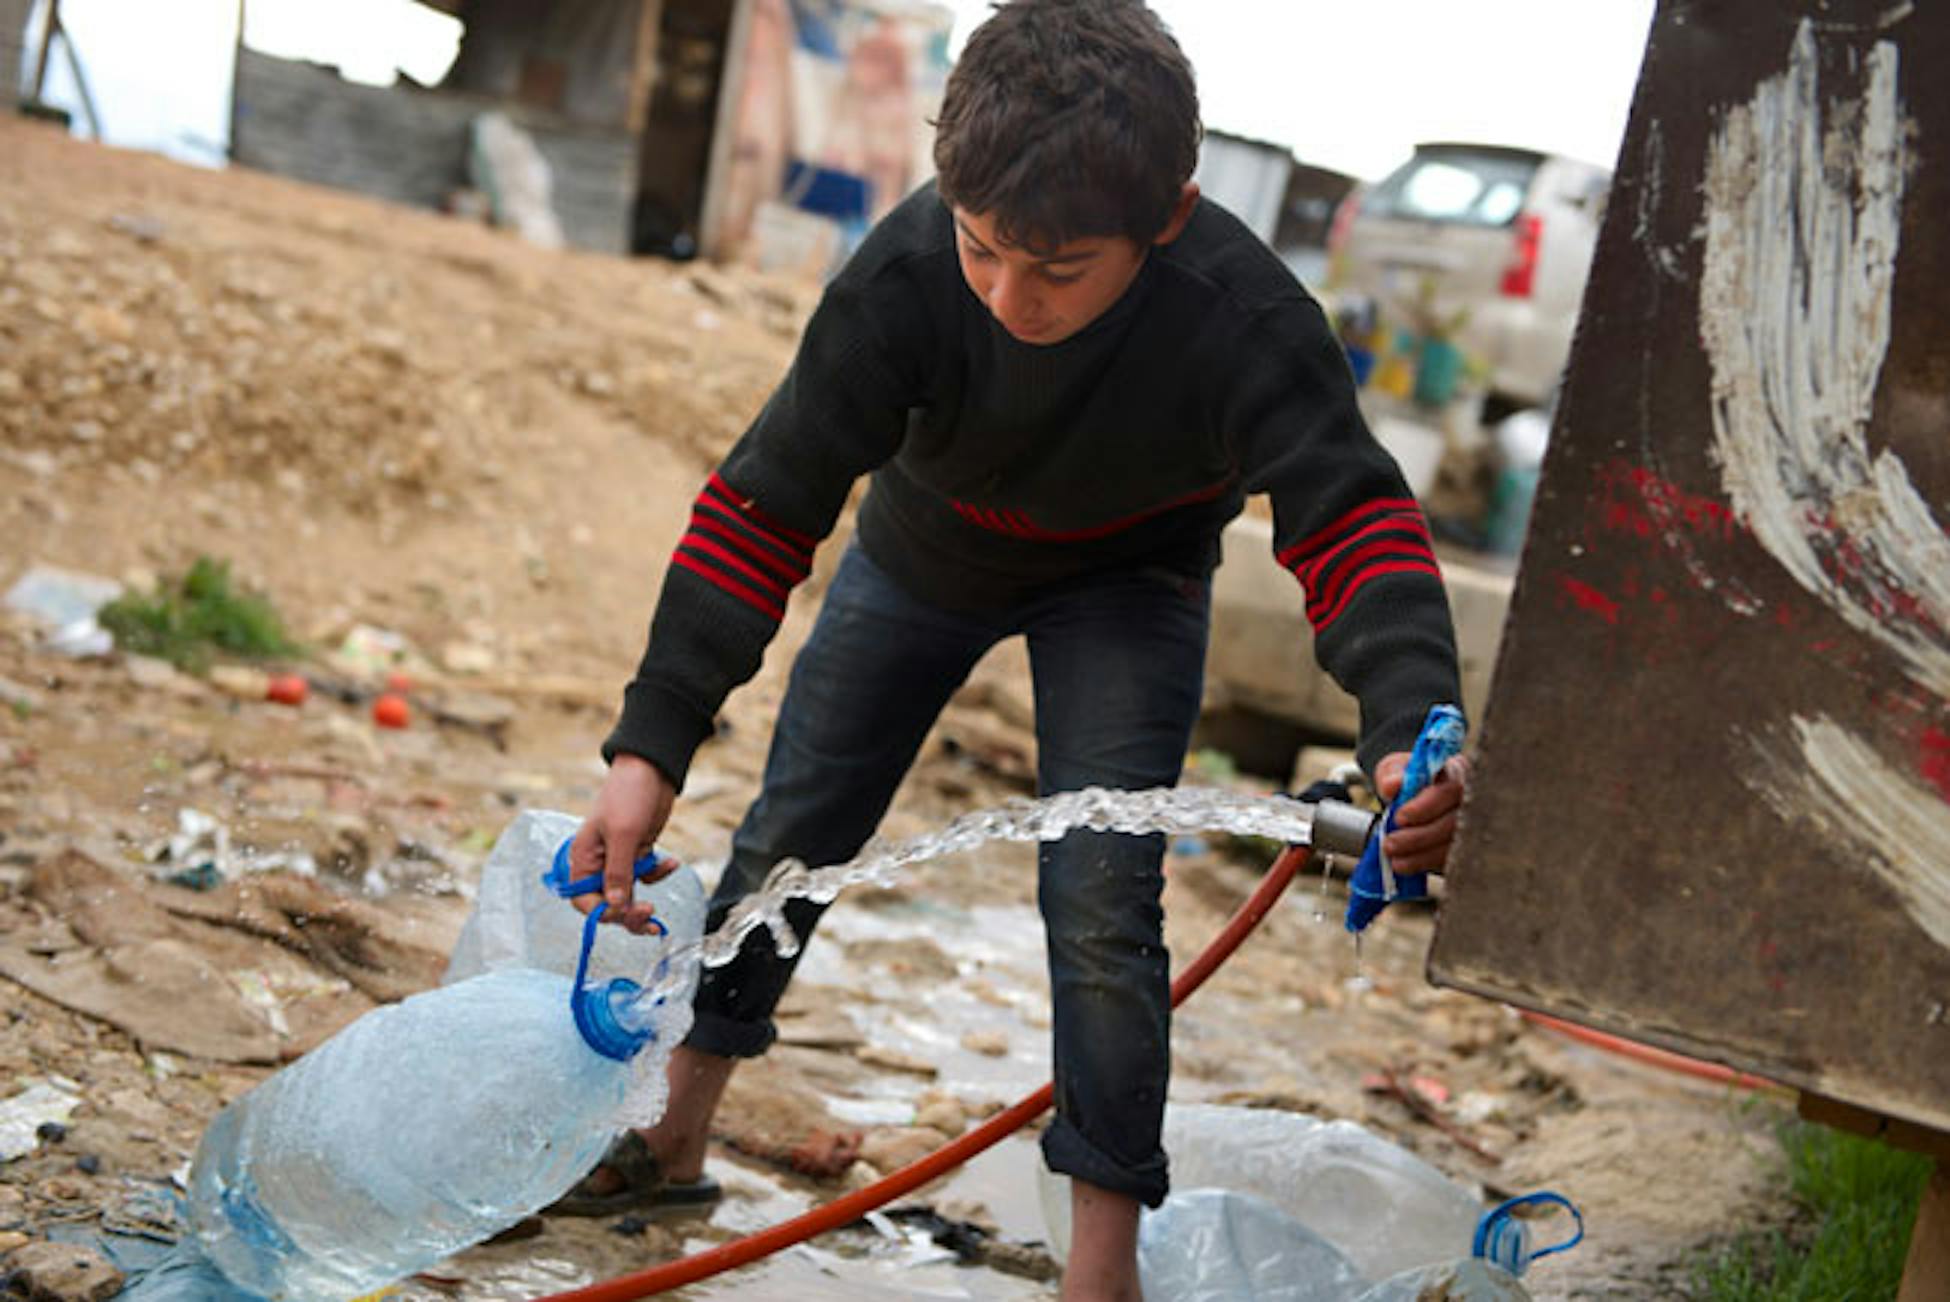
pixel 1425 825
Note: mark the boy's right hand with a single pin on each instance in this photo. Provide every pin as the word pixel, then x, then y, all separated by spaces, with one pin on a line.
pixel 624 824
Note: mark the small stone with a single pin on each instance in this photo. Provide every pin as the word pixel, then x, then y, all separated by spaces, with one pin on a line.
pixel 941 1111
pixel 990 1044
pixel 876 1056
pixel 88 1164
pixel 64 1272
pixel 899 1146
pixel 51 1132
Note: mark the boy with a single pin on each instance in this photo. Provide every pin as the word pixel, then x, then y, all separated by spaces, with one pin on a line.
pixel 1064 373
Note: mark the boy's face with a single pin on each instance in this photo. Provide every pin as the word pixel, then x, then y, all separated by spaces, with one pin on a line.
pixel 1044 298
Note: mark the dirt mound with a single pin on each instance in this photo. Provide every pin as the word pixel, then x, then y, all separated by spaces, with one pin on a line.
pixel 182 324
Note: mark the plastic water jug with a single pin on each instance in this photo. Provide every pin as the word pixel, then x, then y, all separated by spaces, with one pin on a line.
pixel 429 1125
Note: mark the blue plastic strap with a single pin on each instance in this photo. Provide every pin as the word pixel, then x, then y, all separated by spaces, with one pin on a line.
pixel 558 880
pixel 1502 1241
pixel 1374 882
pixel 593 1008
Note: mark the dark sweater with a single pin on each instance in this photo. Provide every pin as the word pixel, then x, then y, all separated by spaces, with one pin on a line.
pixel 1000 468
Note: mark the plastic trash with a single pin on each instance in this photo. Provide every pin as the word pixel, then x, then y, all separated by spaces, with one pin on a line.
pixel 1215 1245
pixel 66 602
pixel 22 1116
pixel 1218 1245
pixel 429 1125
pixel 1377 1204
pixel 184 1275
pixel 519 919
pixel 1463 1280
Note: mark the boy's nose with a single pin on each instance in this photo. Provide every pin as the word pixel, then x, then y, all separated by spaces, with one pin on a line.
pixel 1009 300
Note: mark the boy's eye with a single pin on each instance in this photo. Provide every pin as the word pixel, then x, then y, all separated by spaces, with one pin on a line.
pixel 1061 278
pixel 978 255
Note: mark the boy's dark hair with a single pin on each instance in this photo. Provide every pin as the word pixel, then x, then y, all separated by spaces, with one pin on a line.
pixel 1069 118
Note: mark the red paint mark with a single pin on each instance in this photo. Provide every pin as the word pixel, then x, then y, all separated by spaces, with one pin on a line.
pixel 1638 502
pixel 1936 760
pixel 1589 598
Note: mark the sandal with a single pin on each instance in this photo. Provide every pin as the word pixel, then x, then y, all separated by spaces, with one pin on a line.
pixel 644 1186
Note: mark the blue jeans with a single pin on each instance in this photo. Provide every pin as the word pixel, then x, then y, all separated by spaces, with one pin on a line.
pixel 1118 662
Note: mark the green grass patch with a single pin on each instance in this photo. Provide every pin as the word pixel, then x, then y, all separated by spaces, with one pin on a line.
pixel 190 620
pixel 1855 1202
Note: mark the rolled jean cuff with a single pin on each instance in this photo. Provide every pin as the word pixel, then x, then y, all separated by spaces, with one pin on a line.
pixel 1067 1152
pixel 723 1037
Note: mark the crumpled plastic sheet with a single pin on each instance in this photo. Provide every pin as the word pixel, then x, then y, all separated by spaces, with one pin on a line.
pixel 23 1115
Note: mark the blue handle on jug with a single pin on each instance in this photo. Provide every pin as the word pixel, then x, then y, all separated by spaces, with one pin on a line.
pixel 1503 1240
pixel 1374 883
pixel 594 1007
pixel 558 880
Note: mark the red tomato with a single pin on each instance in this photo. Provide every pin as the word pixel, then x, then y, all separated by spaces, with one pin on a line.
pixel 287 689
pixel 390 711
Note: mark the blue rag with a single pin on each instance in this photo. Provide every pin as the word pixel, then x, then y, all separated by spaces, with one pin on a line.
pixel 1374 884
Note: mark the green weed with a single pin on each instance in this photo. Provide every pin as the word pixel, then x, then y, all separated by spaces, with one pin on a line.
pixel 190 620
pixel 1855 1203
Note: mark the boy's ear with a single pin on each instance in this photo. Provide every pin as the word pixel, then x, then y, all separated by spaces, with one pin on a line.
pixel 1181 213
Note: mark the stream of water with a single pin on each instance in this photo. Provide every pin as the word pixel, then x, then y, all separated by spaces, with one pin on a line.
pixel 1168 810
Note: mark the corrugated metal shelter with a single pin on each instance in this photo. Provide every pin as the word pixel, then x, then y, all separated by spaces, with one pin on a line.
pixel 13 38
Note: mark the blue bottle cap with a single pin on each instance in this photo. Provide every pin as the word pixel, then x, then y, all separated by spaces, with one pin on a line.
pixel 594 1007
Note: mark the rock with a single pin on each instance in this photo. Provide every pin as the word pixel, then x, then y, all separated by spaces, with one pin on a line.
pixel 63 1272
pixel 466 658
pixel 244 683
pixel 898 1146
pixel 876 1056
pixel 159 676
pixel 990 1044
pixel 939 1110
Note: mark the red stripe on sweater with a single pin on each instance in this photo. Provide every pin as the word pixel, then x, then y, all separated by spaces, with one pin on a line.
pixel 1018 525
pixel 1291 555
pixel 1329 591
pixel 746 508
pixel 790 572
pixel 756 600
pixel 1408 528
pixel 1366 577
pixel 700 547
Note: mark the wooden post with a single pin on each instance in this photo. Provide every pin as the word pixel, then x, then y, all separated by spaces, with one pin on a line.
pixel 643 69
pixel 81 84
pixel 52 26
pixel 1926 1271
pixel 731 89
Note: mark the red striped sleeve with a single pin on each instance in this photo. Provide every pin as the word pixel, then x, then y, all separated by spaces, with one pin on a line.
pixel 1322 540
pixel 749 596
pixel 1369 575
pixel 1326 594
pixel 743 551
pixel 1382 537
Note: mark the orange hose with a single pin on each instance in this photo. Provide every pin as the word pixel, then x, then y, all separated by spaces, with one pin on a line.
pixel 1651 1054
pixel 851 1207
